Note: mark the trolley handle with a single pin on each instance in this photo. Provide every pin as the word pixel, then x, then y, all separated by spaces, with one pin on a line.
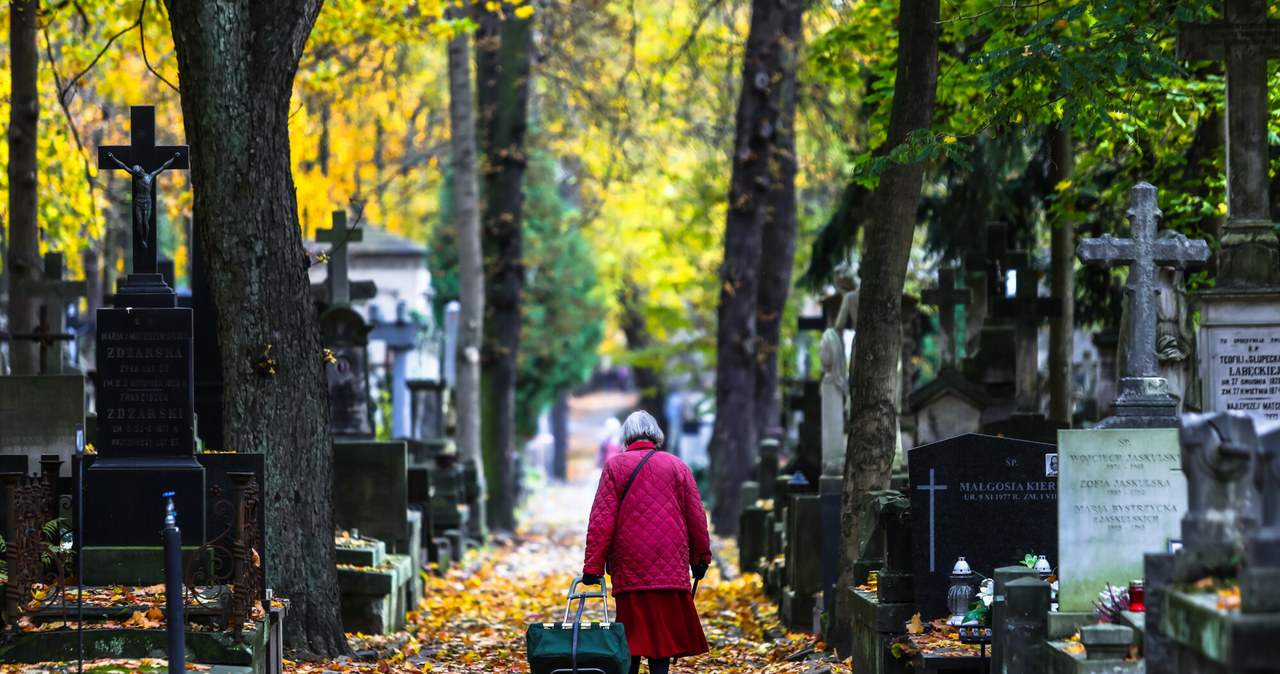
pixel 582 599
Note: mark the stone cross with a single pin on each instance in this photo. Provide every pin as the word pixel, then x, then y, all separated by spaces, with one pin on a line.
pixel 338 282
pixel 46 338
pixel 60 294
pixel 1245 39
pixel 933 487
pixel 947 297
pixel 1142 254
pixel 1027 308
pixel 144 160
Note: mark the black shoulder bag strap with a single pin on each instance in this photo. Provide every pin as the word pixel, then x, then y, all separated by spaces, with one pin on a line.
pixel 633 477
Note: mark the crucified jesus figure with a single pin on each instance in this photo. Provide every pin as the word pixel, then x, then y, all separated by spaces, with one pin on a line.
pixel 142 182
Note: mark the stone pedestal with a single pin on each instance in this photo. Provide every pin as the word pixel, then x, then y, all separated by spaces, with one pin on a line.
pixel 1000 610
pixel 1023 626
pixel 874 626
pixel 829 495
pixel 804 562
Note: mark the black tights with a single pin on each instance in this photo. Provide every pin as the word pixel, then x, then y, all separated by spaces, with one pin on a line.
pixel 656 665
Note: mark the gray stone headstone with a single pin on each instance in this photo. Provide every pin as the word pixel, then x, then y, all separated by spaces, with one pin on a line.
pixel 1240 356
pixel 1121 495
pixel 371 491
pixel 39 414
pixel 946 407
pixel 427 404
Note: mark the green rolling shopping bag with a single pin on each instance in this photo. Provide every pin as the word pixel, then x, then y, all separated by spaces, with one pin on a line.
pixel 577 647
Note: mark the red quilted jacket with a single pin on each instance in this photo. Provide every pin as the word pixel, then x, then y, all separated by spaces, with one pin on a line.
pixel 661 530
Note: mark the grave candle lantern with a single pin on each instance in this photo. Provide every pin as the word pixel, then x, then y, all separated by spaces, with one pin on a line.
pixel 1137 596
pixel 961 592
pixel 1042 567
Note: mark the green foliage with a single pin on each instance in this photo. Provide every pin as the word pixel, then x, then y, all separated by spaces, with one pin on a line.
pixel 562 309
pixel 978 611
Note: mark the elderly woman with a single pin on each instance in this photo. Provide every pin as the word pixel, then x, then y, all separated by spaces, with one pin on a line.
pixel 648 525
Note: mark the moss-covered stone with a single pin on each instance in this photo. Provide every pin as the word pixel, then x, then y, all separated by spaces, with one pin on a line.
pixel 216 648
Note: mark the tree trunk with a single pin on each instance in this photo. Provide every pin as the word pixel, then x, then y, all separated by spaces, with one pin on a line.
pixel 24 190
pixel 1063 254
pixel 92 261
pixel 503 52
pixel 733 442
pixel 874 386
pixel 779 237
pixel 236 62
pixel 560 431
pixel 466 195
pixel 653 391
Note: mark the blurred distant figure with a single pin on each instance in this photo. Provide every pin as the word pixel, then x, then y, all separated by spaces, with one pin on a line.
pixel 611 443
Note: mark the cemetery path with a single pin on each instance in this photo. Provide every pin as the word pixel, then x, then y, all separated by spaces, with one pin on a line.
pixel 474 619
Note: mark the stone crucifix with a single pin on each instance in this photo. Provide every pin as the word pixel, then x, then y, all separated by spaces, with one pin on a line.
pixel 338 281
pixel 947 297
pixel 1028 310
pixel 144 160
pixel 59 294
pixel 1143 393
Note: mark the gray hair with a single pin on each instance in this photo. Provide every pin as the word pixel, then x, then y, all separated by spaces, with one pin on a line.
pixel 641 426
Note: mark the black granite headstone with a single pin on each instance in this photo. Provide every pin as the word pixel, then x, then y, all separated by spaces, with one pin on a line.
pixel 980 497
pixel 346 335
pixel 145 434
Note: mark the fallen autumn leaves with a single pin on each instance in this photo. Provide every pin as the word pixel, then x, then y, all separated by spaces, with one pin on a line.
pixel 474 620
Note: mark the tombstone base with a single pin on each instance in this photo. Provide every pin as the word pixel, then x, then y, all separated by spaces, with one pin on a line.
pixel 144 290
pixel 1260 589
pixel 375 600
pixel 1219 641
pixel 874 626
pixel 1144 402
pixel 797 610
pixel 123 500
pixel 136 566
pixel 895 587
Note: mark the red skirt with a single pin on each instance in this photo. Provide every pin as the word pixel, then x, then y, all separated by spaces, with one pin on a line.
pixel 661 623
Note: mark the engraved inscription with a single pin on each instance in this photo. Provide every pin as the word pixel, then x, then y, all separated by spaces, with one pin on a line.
pixel 1244 371
pixel 144 385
